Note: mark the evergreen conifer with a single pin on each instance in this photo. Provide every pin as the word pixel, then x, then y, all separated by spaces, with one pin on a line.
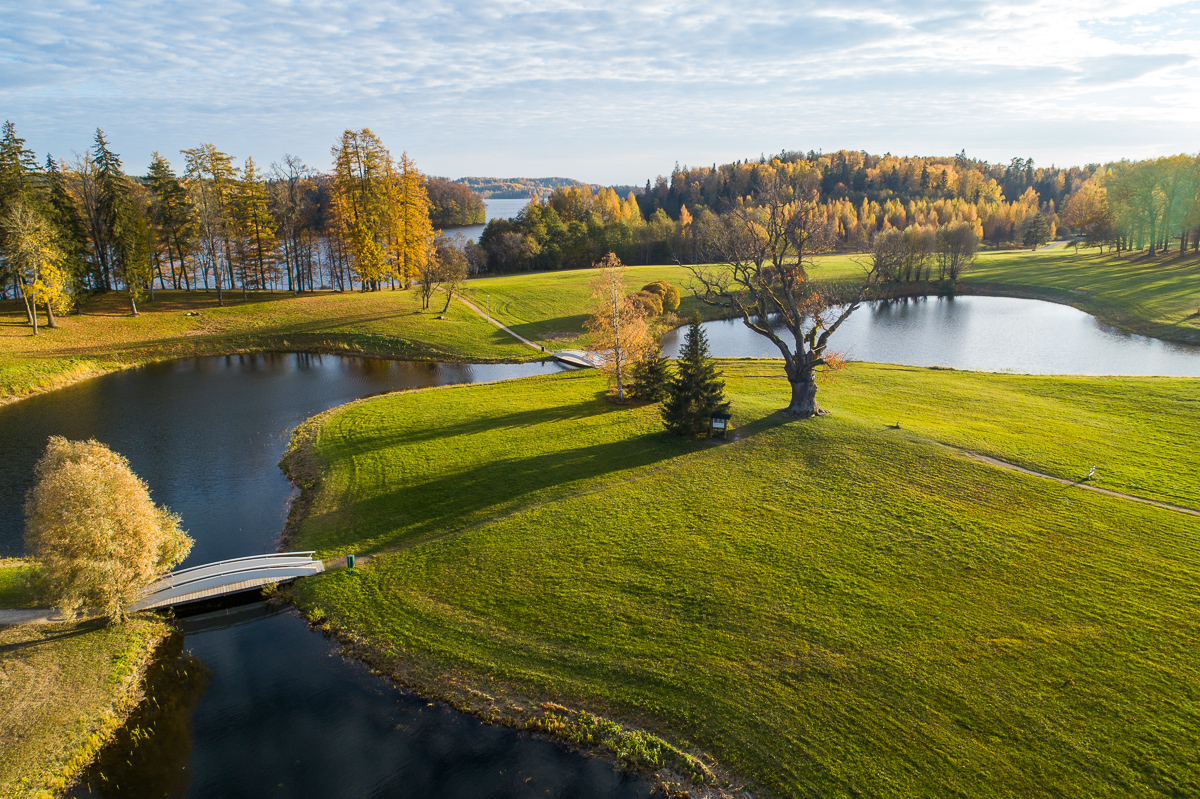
pixel 696 391
pixel 649 378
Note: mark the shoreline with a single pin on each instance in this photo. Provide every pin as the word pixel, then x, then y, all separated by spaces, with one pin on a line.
pixel 62 771
pixel 674 772
pixel 115 366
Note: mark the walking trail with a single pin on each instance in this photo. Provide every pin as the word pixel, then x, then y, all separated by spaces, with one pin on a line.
pixel 1077 483
pixel 505 328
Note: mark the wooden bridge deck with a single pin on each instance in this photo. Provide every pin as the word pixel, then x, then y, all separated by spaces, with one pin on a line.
pixel 227 577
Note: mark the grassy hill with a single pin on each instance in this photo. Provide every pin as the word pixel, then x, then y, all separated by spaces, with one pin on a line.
pixel 828 608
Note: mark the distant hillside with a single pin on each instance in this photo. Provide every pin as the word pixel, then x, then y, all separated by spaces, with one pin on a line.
pixel 521 188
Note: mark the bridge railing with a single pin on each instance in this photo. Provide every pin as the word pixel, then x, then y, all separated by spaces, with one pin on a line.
pixel 226 577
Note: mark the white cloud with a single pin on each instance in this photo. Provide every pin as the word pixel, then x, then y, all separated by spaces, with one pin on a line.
pixel 604 91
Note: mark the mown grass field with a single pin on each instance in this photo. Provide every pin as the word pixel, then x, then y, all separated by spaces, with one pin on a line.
pixel 828 607
pixel 106 337
pixel 1158 297
pixel 64 688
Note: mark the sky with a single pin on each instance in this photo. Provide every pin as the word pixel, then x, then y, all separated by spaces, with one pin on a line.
pixel 607 92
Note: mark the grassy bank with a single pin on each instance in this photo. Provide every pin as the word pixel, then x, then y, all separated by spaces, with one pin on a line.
pixel 64 689
pixel 16 583
pixel 105 337
pixel 830 607
pixel 1157 297
pixel 1153 296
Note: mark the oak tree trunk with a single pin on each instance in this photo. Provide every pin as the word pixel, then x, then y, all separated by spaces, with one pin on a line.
pixel 804 398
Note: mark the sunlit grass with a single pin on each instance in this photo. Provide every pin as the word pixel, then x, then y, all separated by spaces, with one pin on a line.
pixel 1159 297
pixel 387 323
pixel 829 607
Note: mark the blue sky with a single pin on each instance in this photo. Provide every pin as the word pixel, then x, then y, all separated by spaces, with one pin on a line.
pixel 609 92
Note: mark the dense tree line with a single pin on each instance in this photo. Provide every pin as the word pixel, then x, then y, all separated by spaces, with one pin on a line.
pixel 1134 205
pixel 1130 205
pixel 69 229
pixel 454 204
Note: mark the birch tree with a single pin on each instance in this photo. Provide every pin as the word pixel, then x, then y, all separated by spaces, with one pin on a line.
pixel 211 178
pixel 620 335
pixel 32 252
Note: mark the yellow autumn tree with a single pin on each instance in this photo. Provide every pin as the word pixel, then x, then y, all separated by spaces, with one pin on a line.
pixel 364 203
pixel 91 524
pixel 620 334
pixel 415 234
pixel 36 259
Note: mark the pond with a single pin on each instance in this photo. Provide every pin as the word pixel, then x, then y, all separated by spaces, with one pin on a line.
pixel 263 705
pixel 990 334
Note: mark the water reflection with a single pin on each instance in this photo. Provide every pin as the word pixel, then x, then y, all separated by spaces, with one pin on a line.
pixel 148 757
pixel 992 334
pixel 284 715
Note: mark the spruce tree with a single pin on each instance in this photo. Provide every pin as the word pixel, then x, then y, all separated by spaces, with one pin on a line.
pixel 696 391
pixel 649 378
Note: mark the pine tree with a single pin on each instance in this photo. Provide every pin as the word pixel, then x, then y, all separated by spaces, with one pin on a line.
pixel 64 215
pixel 17 167
pixel 117 226
pixel 696 392
pixel 173 215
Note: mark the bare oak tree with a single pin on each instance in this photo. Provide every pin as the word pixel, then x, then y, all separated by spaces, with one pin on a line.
pixel 763 252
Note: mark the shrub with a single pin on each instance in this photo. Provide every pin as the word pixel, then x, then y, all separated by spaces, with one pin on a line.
pixel 668 293
pixel 92 526
pixel 650 303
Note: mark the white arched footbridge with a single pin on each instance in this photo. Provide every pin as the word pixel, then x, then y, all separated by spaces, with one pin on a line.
pixel 225 577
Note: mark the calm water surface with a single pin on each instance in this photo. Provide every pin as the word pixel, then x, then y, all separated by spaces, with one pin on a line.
pixel 252 703
pixel 989 334
pixel 493 209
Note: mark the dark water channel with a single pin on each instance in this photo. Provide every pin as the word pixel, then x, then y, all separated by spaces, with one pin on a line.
pixel 250 702
pixel 987 334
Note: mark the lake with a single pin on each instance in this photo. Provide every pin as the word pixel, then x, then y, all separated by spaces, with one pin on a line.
pixel 989 334
pixel 493 209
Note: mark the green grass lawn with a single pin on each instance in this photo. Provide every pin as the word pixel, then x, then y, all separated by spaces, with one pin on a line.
pixel 827 607
pixel 64 688
pixel 16 589
pixel 106 337
pixel 1158 297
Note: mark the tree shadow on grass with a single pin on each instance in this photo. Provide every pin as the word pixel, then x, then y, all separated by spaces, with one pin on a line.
pixel 401 436
pixel 78 628
pixel 499 488
pixel 483 493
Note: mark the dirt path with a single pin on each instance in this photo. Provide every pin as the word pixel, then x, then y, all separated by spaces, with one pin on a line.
pixel 1078 484
pixel 30 616
pixel 505 328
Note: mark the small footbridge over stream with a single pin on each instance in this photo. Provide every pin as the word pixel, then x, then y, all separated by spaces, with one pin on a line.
pixel 225 577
